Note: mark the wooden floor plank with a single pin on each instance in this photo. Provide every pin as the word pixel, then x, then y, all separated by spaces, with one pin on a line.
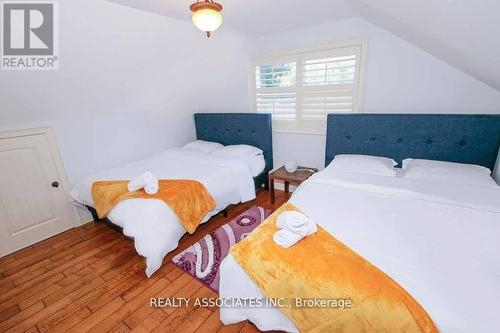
pixel 211 324
pixel 22 316
pixel 9 312
pixel 178 315
pixel 95 318
pixel 139 288
pixel 68 280
pixel 18 264
pixel 87 244
pixel 37 291
pixel 91 279
pixel 45 276
pixel 174 274
pixel 33 329
pixel 118 316
pixel 151 322
pixel 25 273
pixel 27 302
pixel 111 273
pixel 96 273
pixel 92 302
pixel 83 300
pixel 184 286
pixel 195 320
pixel 7 260
pixel 125 281
pixel 71 321
pixel 55 257
pixel 66 303
pixel 120 328
pixel 6 286
pixel 99 258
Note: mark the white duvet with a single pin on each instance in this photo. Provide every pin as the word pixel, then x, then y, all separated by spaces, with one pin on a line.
pixel 441 242
pixel 153 225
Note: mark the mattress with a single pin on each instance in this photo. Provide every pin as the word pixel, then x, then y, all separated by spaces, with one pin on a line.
pixel 439 242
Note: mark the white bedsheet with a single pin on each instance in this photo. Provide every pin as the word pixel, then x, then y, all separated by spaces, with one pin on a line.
pixel 440 243
pixel 153 225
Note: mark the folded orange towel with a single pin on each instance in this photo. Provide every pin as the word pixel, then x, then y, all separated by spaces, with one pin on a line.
pixel 321 267
pixel 189 199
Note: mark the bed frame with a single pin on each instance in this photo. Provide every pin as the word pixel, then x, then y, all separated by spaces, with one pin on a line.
pixel 253 129
pixel 472 139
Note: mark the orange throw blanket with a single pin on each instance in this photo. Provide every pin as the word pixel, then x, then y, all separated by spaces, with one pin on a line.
pixel 321 267
pixel 189 199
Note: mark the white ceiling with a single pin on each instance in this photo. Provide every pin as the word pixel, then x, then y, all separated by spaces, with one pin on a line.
pixel 463 33
pixel 254 18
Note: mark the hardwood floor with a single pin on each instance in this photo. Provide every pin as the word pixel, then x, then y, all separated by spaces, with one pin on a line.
pixel 91 279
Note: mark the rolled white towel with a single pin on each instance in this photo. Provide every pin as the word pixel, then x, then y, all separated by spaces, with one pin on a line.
pixel 153 186
pixel 140 181
pixel 296 222
pixel 285 238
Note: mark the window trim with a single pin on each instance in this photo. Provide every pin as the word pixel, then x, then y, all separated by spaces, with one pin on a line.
pixel 361 42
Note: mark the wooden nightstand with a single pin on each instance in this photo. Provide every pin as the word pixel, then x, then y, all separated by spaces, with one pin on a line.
pixel 295 178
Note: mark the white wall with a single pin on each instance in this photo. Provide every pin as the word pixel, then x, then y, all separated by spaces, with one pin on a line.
pixel 128 84
pixel 400 78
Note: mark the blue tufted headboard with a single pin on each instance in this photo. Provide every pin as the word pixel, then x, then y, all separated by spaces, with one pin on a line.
pixel 473 139
pixel 253 129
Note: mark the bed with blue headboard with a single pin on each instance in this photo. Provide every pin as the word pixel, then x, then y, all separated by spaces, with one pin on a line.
pixel 239 128
pixel 460 138
pixel 230 129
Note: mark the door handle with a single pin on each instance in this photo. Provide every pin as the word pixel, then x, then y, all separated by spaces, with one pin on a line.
pixel 55 184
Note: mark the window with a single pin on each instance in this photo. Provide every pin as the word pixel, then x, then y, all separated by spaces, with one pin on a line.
pixel 301 88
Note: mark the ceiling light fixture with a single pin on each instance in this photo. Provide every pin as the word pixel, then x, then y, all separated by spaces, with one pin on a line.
pixel 206 15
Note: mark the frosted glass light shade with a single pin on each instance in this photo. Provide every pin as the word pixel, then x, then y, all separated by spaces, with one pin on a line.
pixel 207 19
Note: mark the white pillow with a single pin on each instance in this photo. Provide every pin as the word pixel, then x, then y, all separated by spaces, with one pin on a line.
pixel 364 164
pixel 203 146
pixel 447 172
pixel 256 164
pixel 244 152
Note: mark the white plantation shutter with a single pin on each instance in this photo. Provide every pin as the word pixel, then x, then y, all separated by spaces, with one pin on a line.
pixel 276 89
pixel 282 104
pixel 329 82
pixel 300 93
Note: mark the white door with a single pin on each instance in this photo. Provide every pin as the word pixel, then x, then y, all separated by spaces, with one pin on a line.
pixel 33 190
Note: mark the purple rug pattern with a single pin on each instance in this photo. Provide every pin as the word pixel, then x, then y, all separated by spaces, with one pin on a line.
pixel 202 260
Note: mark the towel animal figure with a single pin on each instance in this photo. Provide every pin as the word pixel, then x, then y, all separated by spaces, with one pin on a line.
pixel 153 186
pixel 147 181
pixel 293 227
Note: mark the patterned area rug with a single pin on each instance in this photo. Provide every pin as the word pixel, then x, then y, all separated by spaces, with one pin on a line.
pixel 202 260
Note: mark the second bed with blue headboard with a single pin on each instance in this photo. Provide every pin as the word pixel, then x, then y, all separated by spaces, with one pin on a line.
pixel 435 240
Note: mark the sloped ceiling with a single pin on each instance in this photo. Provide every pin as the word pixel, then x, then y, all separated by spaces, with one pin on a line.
pixel 254 18
pixel 463 33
